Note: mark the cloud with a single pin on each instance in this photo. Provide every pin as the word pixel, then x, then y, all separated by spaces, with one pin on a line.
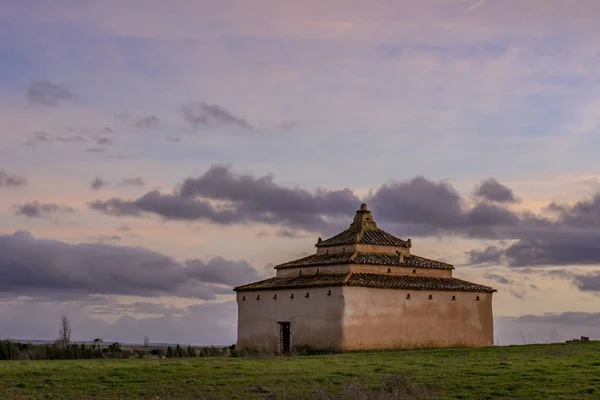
pixel 549 246
pixel 49 268
pixel 492 190
pixel 47 94
pixel 499 278
pixel 582 214
pixel 251 200
pixel 147 122
pixel 35 209
pixel 418 206
pixel 221 271
pixel 587 282
pixel 137 181
pixel 11 181
pixel 489 255
pixel 104 141
pixel 105 238
pixel 45 138
pixel 98 183
pixel 202 114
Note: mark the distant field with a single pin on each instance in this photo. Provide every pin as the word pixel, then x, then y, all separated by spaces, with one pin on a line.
pixel 558 371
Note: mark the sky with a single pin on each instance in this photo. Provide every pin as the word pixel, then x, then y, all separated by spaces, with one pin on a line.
pixel 154 156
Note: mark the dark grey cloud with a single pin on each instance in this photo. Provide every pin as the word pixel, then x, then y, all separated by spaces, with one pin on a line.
pixel 489 255
pixel 47 94
pixel 35 209
pixel 582 214
pixel 32 267
pixel 415 207
pixel 555 245
pixel 203 114
pixel 221 271
pixel 587 282
pixel 10 180
pixel 137 181
pixel 252 200
pixel 98 183
pixel 492 190
pixel 423 207
pixel 38 138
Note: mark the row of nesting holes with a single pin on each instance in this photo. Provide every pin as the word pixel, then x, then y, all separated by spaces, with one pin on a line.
pixel 291 296
pixel 389 271
pixel 431 297
pixel 329 294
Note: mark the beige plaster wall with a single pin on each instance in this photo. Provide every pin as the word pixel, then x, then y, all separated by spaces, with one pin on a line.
pixel 364 248
pixel 348 248
pixel 315 321
pixel 358 268
pixel 382 269
pixel 326 269
pixel 375 248
pixel 384 318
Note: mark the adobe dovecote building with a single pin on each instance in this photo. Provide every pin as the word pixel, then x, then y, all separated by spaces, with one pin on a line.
pixel 363 289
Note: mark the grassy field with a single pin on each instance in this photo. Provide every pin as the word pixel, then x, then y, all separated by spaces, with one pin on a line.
pixel 558 371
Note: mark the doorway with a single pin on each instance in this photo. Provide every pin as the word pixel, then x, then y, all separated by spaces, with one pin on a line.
pixel 285 336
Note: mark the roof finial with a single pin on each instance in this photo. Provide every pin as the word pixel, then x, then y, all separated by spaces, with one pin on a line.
pixel 363 207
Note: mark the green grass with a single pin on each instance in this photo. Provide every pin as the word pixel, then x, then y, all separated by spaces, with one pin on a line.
pixel 558 371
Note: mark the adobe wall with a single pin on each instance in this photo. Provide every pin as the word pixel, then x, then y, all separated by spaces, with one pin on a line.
pixel 315 321
pixel 361 268
pixel 385 319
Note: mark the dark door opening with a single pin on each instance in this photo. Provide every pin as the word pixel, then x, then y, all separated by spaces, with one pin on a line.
pixel 284 337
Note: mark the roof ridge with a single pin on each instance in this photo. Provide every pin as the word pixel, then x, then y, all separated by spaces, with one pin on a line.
pixel 429 259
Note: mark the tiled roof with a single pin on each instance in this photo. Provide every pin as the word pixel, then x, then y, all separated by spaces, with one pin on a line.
pixel 365 258
pixel 363 230
pixel 380 281
pixel 363 236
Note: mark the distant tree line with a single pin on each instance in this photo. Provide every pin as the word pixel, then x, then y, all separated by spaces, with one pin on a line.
pixel 64 349
pixel 10 350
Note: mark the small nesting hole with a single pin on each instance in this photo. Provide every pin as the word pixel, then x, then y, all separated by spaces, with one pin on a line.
pixel 329 293
pixel 292 296
pixel 300 273
pixel 430 297
pixel 317 270
pixel 453 298
pixel 274 296
pixel 477 298
pixel 389 270
pixel 414 271
pixel 306 295
pixel 258 297
pixel 244 298
pixel 408 296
